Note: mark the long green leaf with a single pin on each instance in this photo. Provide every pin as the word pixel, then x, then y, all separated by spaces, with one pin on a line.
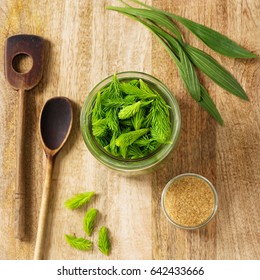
pixel 159 18
pixel 205 101
pixel 215 71
pixel 185 67
pixel 207 104
pixel 210 37
pixel 215 40
pixel 189 75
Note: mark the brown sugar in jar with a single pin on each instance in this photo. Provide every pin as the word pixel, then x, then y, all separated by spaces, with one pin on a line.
pixel 189 201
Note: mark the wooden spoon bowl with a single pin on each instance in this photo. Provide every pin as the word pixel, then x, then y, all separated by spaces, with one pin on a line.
pixel 54 126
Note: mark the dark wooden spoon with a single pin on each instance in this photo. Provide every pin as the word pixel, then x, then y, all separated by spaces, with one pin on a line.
pixel 55 126
pixel 15 46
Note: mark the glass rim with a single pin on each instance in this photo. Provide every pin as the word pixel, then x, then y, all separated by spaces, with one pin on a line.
pixel 214 210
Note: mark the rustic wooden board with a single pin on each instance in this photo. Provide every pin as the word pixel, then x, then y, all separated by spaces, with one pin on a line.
pixel 85 44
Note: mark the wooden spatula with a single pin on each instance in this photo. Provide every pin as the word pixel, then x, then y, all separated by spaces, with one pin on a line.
pixel 32 46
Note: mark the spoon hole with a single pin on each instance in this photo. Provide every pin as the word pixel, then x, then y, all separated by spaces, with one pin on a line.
pixel 56 122
pixel 22 63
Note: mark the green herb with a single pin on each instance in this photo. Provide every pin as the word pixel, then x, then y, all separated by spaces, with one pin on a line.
pixel 129 111
pixel 134 152
pixel 186 57
pixel 128 138
pixel 135 91
pixel 79 243
pixel 207 103
pixel 99 127
pixel 215 71
pixel 103 241
pixel 97 112
pixel 89 220
pixel 160 121
pixel 138 119
pixel 132 109
pixel 213 39
pixel 78 200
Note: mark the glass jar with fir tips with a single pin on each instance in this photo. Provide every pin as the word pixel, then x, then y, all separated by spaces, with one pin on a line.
pixel 130 122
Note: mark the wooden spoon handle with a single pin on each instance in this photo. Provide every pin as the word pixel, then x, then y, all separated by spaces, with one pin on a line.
pixel 20 178
pixel 39 246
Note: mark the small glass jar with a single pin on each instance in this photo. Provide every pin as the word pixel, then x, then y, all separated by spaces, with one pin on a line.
pixel 131 166
pixel 189 196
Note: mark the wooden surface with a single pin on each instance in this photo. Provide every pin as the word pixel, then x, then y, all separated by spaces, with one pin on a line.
pixel 85 44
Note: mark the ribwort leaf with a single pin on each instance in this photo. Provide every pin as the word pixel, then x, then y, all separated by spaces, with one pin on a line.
pixel 213 39
pixel 159 18
pixel 189 76
pixel 207 104
pixel 215 71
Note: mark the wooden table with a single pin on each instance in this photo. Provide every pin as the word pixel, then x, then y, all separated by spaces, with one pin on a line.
pixel 86 43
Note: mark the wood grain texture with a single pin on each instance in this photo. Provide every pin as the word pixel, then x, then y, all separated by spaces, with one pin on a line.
pixel 85 44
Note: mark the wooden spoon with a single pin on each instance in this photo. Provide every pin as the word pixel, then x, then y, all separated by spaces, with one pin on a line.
pixel 15 46
pixel 55 126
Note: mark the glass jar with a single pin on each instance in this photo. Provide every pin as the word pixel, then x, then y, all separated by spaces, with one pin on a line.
pixel 189 196
pixel 131 166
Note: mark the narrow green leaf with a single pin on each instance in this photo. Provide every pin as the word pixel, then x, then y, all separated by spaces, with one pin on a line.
pixel 210 37
pixel 78 200
pixel 89 221
pixel 215 71
pixel 207 104
pixel 185 67
pixel 79 243
pixel 174 48
pixel 215 40
pixel 159 18
pixel 189 75
pixel 104 244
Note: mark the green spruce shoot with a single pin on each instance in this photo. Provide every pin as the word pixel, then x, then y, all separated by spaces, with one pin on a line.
pixel 79 243
pixel 78 200
pixel 103 241
pixel 89 220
